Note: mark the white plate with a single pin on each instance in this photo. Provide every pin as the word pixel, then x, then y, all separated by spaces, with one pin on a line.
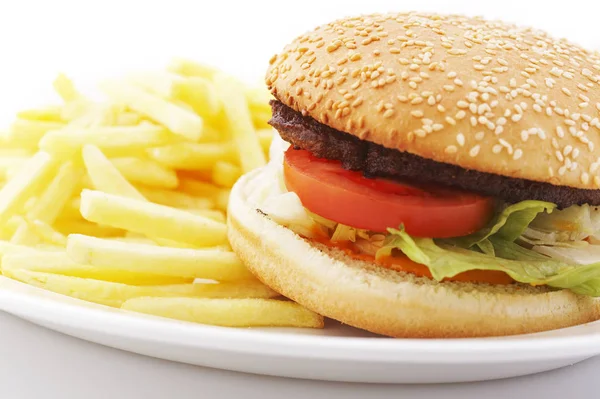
pixel 336 353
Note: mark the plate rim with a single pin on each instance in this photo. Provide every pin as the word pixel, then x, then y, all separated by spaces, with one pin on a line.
pixel 26 301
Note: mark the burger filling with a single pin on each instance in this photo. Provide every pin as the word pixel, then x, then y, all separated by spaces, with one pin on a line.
pixel 431 219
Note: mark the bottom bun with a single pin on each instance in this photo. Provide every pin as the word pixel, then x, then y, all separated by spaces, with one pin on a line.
pixel 383 301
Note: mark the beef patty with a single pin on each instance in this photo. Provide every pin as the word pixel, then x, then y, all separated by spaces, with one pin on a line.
pixel 375 160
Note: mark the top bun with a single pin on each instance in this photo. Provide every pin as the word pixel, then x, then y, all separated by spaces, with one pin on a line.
pixel 483 95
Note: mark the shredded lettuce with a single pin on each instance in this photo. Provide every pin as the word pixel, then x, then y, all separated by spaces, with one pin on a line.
pixel 519 263
pixel 343 233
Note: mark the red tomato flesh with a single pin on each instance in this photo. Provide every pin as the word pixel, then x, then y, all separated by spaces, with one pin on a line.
pixel 347 197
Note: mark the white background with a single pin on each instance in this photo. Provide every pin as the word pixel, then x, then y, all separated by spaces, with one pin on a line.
pixel 90 40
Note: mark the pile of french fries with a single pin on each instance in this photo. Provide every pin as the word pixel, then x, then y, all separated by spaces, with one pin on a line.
pixel 122 201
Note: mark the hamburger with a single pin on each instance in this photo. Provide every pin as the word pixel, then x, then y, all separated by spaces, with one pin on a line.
pixel 439 178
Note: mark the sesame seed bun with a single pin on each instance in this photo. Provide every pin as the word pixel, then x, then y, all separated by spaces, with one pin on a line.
pixel 483 95
pixel 364 295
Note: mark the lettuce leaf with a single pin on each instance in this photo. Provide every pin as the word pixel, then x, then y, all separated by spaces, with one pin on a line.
pixel 509 224
pixel 521 264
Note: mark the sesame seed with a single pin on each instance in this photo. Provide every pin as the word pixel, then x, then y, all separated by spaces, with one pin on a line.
pixel 497 148
pixel 479 136
pixel 437 127
pixel 562 170
pixel 474 151
pixel 441 108
pixel 585 178
pixel 518 154
pixel 431 100
pixel 516 117
pixel 388 113
pixel 463 104
pixel 417 113
pixel 498 130
pixel 507 145
pixel 450 121
pixel 566 91
pixel 460 139
pixel 417 100
pixel 451 149
pixel 460 115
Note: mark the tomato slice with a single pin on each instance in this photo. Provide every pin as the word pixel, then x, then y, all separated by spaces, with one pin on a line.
pixel 347 197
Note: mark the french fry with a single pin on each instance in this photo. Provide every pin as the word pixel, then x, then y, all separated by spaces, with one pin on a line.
pixel 200 94
pixel 225 174
pixel 76 112
pixel 58 262
pixel 258 98
pixel 198 187
pixel 27 133
pixel 177 119
pixel 213 214
pixel 30 179
pixel 10 164
pixel 14 152
pixel 46 114
pixel 151 219
pixel 192 263
pixel 222 200
pixel 24 235
pixel 50 204
pixel 47 233
pixel 123 138
pixel 196 92
pixel 7 248
pixel 146 172
pixel 260 118
pixel 74 226
pixel 191 69
pixel 193 156
pixel 159 83
pixel 65 88
pixel 175 199
pixel 105 176
pixel 102 292
pixel 265 136
pixel 240 123
pixel 229 312
pixel 8 229
pixel 127 119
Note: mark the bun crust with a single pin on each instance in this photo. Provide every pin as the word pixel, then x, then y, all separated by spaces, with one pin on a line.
pixel 386 302
pixel 483 95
